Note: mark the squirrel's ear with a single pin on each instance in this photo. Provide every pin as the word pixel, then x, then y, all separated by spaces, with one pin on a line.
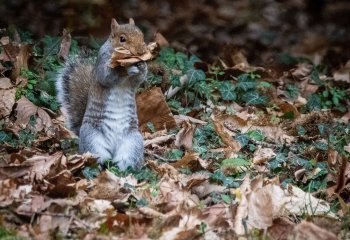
pixel 114 26
pixel 131 21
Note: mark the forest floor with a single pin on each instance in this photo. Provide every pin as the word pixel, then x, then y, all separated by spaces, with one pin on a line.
pixel 245 118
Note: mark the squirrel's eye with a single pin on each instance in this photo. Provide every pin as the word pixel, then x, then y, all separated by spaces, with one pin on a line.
pixel 122 39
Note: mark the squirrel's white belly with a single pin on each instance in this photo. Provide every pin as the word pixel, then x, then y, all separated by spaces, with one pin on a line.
pixel 119 113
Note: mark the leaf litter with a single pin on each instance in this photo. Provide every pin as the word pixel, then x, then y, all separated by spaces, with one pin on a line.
pixel 233 150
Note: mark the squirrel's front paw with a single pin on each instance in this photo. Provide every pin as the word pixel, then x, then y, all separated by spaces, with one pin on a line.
pixel 138 68
pixel 133 70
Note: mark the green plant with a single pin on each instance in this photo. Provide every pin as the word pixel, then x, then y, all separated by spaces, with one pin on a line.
pixel 329 98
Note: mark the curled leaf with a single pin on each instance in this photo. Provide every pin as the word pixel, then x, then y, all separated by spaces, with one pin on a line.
pixel 123 57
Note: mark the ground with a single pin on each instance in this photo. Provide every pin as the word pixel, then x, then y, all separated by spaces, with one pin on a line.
pixel 245 116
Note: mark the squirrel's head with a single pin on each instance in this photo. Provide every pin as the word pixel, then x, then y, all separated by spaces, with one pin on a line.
pixel 128 36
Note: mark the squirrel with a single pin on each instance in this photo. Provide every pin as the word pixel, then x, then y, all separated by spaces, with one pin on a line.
pixel 99 101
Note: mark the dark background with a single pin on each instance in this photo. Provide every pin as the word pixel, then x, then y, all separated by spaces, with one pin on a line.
pixel 210 29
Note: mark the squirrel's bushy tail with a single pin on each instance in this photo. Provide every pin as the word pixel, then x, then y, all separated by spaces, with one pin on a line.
pixel 72 86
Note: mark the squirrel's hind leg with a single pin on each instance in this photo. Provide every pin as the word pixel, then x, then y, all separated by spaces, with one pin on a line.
pixel 93 141
pixel 130 152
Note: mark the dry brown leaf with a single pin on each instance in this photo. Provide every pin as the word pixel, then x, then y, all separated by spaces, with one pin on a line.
pixel 206 188
pixel 10 191
pixel 174 196
pixel 152 107
pixel 262 203
pixel 193 180
pixel 21 61
pixel 161 40
pixel 123 57
pixel 308 230
pixel 77 162
pixel 347 148
pixel 218 215
pixel 107 186
pixel 262 155
pixel 65 44
pixel 192 161
pixel 281 229
pixel 343 74
pixel 148 135
pixel 100 206
pixel 182 118
pixel 150 212
pixel 43 166
pixel 185 136
pixel 287 107
pixel 302 70
pixel 225 137
pixel 158 140
pixel 187 228
pixel 164 169
pixel 7 97
pixel 26 109
pixel 64 185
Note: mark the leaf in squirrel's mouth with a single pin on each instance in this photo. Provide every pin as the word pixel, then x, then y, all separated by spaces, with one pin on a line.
pixel 123 57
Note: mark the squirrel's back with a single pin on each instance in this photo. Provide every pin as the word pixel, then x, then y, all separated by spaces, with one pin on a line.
pixel 72 88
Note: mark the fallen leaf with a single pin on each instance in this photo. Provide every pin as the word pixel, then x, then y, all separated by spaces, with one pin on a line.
pixel 107 186
pixel 190 160
pixel 281 229
pixel 152 108
pixel 65 44
pixel 308 230
pixel 185 136
pixel 182 118
pixel 158 140
pixel 26 110
pixel 11 191
pixel 99 206
pixel 161 40
pixel 262 155
pixel 343 74
pixel 225 137
pixel 43 166
pixel 262 203
pixel 7 97
pixel 206 188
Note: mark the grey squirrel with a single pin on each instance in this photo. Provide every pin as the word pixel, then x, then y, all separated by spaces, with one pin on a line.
pixel 99 101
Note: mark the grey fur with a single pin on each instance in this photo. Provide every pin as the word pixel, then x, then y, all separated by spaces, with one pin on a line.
pixel 109 125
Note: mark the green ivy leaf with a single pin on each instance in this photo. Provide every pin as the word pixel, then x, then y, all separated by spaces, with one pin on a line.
pixel 175 154
pixel 227 91
pixel 226 198
pixel 245 82
pixel 301 130
pixel 181 59
pixel 314 102
pixel 91 172
pixel 243 139
pixel 315 77
pixel 292 91
pixel 254 98
pixel 277 161
pixel 195 75
pixel 256 135
pixel 203 89
pixel 192 60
